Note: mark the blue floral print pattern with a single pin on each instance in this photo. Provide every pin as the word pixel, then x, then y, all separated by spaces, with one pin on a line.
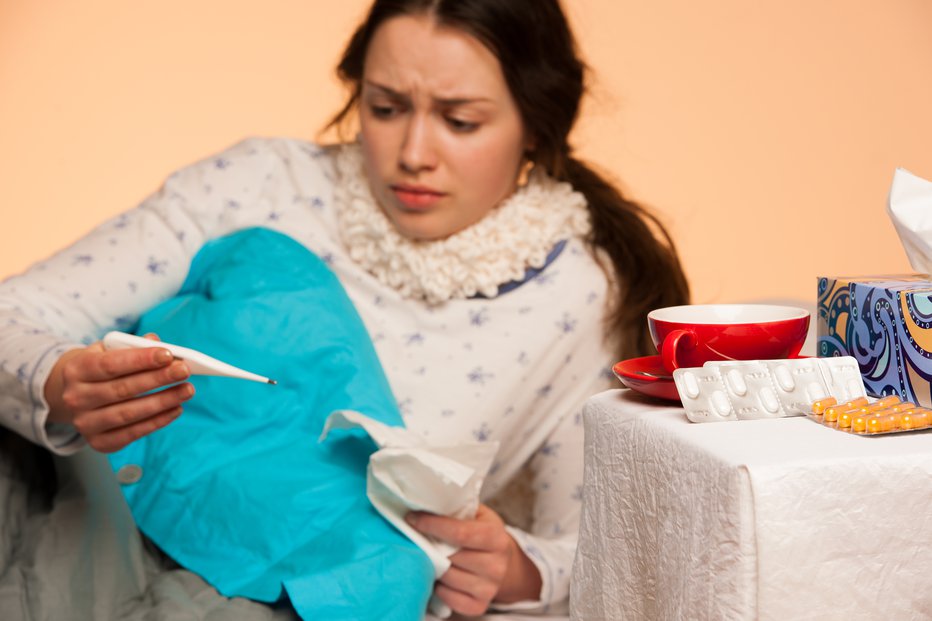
pixel 514 369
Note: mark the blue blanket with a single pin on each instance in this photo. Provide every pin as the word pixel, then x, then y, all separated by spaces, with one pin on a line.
pixel 238 489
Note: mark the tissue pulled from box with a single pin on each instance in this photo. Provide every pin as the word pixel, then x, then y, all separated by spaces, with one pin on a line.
pixel 910 208
pixel 407 473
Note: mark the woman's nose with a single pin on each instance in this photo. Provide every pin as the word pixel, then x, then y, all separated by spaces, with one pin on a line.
pixel 417 151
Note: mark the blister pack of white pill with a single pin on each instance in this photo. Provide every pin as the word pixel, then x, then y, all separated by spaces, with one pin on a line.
pixel 753 389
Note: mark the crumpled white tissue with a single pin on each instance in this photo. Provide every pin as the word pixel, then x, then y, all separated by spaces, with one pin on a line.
pixel 910 208
pixel 407 473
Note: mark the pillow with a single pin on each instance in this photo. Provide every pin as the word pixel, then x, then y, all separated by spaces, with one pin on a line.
pixel 238 489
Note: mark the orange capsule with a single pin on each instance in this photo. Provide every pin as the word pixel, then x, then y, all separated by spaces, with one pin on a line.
pixel 891 422
pixel 846 419
pixel 855 403
pixel 886 402
pixel 873 424
pixel 892 415
pixel 818 407
pixel 881 423
pixel 859 424
pixel 830 415
pixel 915 419
pixel 901 407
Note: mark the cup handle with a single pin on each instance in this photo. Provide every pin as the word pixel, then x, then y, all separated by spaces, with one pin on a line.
pixel 672 343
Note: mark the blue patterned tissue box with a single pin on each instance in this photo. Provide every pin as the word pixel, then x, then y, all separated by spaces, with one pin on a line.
pixel 885 322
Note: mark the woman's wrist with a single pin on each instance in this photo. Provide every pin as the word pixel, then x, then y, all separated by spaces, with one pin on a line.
pixel 522 578
pixel 54 386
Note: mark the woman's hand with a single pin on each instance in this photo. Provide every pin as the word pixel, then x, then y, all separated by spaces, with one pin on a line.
pixel 100 392
pixel 489 565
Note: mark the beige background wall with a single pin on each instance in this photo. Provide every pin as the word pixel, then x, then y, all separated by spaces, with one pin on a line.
pixel 764 133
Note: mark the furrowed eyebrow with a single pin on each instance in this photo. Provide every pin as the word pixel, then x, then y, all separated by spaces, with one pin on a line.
pixel 445 101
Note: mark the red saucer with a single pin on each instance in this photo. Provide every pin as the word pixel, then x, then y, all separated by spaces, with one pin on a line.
pixel 647 376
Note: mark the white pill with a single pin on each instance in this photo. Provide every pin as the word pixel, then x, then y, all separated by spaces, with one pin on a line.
pixel 784 378
pixel 815 392
pixel 721 404
pixel 769 400
pixel 737 383
pixel 690 385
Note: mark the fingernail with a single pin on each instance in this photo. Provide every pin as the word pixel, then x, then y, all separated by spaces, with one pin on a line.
pixel 164 356
pixel 178 371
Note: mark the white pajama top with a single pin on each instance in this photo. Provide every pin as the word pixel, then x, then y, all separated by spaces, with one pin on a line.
pixel 515 367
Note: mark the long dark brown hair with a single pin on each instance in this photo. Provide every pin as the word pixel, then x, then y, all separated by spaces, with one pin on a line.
pixel 537 52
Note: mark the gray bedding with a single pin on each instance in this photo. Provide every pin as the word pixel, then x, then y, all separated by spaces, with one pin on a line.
pixel 69 549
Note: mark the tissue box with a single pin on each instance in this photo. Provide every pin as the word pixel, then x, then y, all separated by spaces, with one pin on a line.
pixel 885 323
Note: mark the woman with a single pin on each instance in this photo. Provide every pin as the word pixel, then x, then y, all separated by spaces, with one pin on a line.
pixel 498 276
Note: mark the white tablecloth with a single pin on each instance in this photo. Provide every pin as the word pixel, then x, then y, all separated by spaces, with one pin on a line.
pixel 773 519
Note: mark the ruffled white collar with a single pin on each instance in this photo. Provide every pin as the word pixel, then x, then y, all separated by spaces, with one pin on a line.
pixel 515 236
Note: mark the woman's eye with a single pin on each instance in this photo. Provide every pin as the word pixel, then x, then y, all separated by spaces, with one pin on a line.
pixel 383 112
pixel 460 125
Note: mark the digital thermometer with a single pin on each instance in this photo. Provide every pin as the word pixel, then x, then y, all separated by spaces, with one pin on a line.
pixel 198 363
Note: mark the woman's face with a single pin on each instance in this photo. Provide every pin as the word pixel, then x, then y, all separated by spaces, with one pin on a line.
pixel 442 137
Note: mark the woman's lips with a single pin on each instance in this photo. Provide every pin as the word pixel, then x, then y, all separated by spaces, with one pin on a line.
pixel 415 197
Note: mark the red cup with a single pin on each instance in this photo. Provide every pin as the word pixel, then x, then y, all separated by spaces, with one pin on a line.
pixel 688 336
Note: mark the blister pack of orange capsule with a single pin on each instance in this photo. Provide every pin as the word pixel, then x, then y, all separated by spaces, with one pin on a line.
pixel 863 417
